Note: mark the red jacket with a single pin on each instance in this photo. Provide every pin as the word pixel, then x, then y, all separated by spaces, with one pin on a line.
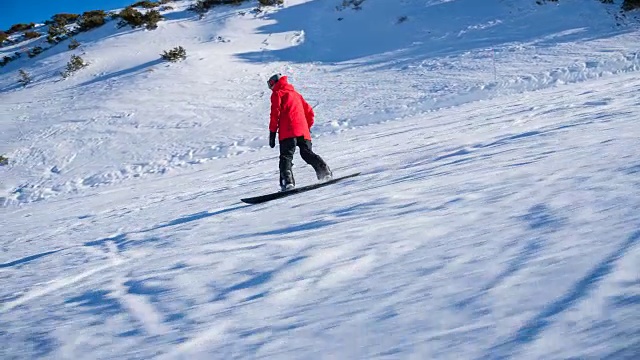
pixel 290 113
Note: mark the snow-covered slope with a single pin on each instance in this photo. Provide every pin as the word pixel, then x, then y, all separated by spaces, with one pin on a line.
pixel 497 214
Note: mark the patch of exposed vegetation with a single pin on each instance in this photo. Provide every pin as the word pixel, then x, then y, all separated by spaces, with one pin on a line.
pixel 92 19
pixel 56 33
pixel 75 63
pixel 24 78
pixel 354 4
pixel 134 18
pixel 73 44
pixel 175 54
pixel 35 51
pixel 62 19
pixel 201 7
pixel 271 2
pixel 145 4
pixel 20 27
pixel 32 35
pixel 7 59
pixel 629 5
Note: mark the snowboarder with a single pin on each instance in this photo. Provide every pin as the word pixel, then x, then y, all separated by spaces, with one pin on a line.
pixel 292 118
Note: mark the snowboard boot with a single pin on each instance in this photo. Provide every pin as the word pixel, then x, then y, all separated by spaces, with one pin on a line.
pixel 324 173
pixel 287 187
pixel 287 181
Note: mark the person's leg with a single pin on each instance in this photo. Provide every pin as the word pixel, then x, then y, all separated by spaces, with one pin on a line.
pixel 322 169
pixel 287 149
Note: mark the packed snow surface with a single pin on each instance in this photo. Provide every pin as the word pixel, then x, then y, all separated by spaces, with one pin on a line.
pixel 497 214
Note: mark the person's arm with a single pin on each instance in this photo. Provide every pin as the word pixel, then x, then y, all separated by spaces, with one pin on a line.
pixel 275 112
pixel 308 112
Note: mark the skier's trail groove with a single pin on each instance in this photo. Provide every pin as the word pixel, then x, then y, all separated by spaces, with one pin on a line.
pixel 534 327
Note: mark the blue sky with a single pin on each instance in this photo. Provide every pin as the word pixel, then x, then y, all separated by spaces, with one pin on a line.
pixel 25 11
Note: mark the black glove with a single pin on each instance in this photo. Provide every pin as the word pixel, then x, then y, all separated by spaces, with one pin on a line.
pixel 272 139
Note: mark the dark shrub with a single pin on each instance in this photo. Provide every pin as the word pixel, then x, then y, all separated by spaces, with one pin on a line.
pixel 73 44
pixel 135 18
pixel 57 30
pixel 63 19
pixel 3 37
pixel 35 51
pixel 92 19
pixel 145 4
pixel 75 63
pixel 5 60
pixel 131 17
pixel 201 7
pixel 20 27
pixel 355 4
pixel 151 19
pixel 175 54
pixel 271 2
pixel 32 35
pixel 56 33
pixel 629 5
pixel 4 160
pixel 24 78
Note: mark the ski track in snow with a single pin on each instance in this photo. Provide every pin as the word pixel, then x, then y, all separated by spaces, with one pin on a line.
pixel 496 215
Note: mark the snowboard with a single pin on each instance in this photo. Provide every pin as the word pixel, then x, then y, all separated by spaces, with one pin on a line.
pixel 281 194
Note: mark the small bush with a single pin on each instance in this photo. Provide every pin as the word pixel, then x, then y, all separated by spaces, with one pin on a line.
pixel 35 51
pixel 151 19
pixel 92 19
pixel 56 33
pixel 135 18
pixel 629 5
pixel 7 59
pixel 62 19
pixel 271 2
pixel 201 7
pixel 145 4
pixel 175 54
pixel 3 37
pixel 73 44
pixel 4 161
pixel 24 78
pixel 20 27
pixel 57 30
pixel 355 4
pixel 75 63
pixel 32 35
pixel 165 8
pixel 130 16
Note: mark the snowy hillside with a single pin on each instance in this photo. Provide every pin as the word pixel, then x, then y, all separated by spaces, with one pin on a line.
pixel 497 216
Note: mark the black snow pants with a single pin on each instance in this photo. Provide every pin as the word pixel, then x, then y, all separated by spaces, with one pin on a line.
pixel 288 148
